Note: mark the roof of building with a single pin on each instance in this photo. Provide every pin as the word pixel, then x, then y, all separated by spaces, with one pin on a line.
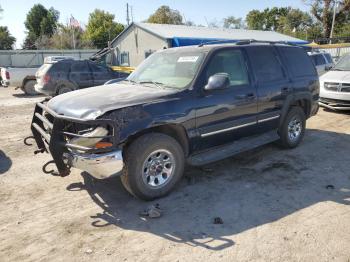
pixel 181 34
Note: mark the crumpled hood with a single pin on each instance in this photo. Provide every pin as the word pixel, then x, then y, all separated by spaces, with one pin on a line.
pixel 336 76
pixel 93 102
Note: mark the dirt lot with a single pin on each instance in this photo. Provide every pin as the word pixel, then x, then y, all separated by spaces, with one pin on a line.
pixel 276 205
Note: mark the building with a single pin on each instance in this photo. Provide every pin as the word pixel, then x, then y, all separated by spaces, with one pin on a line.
pixel 139 40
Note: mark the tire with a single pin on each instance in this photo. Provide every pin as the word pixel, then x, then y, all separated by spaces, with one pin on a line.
pixel 28 88
pixel 293 128
pixel 154 164
pixel 65 88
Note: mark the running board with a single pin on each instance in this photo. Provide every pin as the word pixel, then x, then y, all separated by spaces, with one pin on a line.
pixel 239 146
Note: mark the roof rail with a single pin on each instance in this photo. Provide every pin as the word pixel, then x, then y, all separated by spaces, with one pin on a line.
pixel 244 42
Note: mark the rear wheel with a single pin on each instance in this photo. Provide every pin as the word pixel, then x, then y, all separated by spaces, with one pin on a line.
pixel 293 128
pixel 65 88
pixel 28 88
pixel 154 165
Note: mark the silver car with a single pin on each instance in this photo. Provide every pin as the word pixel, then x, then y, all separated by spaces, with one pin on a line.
pixel 335 86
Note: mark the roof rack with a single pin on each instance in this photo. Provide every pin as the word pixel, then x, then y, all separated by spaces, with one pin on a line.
pixel 244 42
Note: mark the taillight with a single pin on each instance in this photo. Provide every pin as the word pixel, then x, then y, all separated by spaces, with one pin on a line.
pixel 7 75
pixel 46 78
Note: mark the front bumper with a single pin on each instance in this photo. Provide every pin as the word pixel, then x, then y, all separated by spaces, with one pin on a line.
pixel 100 166
pixel 334 104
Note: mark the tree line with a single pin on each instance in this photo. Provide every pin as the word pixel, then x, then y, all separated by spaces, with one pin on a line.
pixel 43 30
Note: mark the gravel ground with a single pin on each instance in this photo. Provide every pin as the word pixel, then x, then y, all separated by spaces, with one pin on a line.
pixel 276 205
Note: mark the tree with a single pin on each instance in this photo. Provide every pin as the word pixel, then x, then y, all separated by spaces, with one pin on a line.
pixel 268 19
pixel 63 38
pixel 323 12
pixel 166 15
pixel 40 22
pixel 233 22
pixel 101 28
pixel 6 40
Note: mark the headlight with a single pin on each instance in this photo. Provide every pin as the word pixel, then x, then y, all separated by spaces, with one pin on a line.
pixel 87 140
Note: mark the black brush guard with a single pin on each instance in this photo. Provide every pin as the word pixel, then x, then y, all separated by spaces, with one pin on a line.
pixel 50 135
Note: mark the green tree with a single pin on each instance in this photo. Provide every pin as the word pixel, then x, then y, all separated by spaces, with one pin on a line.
pixel 40 22
pixel 101 28
pixel 323 12
pixel 166 15
pixel 63 38
pixel 6 40
pixel 255 20
pixel 268 19
pixel 233 22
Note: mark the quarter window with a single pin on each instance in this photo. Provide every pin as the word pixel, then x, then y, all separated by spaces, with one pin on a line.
pixel 298 62
pixel 231 62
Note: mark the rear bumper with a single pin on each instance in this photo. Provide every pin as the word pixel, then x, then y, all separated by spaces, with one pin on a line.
pixel 5 83
pixel 334 104
pixel 46 89
pixel 100 166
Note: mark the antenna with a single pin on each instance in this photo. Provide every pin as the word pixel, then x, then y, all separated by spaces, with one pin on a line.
pixel 206 20
pixel 132 13
pixel 127 14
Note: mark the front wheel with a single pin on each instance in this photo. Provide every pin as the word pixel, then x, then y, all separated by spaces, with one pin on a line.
pixel 293 128
pixel 154 164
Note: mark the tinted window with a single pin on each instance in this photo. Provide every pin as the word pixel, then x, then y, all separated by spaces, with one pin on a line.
pixel 265 64
pixel 80 66
pixel 328 57
pixel 60 67
pixel 98 68
pixel 319 60
pixel 230 62
pixel 298 62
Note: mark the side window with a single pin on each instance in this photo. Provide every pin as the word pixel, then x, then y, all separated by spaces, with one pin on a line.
pixel 98 68
pixel 124 59
pixel 265 64
pixel 230 62
pixel 320 60
pixel 80 66
pixel 298 62
pixel 328 57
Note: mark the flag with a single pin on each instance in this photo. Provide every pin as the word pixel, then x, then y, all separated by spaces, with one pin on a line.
pixel 74 23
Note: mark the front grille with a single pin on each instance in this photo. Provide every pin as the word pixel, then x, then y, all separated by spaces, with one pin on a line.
pixel 53 132
pixel 337 87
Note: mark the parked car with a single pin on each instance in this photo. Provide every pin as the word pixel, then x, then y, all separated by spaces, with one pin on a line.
pixel 55 78
pixel 192 105
pixel 335 86
pixel 322 60
pixel 19 77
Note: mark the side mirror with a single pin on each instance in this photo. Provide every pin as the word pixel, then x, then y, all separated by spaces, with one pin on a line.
pixel 327 68
pixel 218 81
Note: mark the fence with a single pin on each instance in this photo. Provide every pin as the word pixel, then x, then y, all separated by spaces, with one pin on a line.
pixel 35 58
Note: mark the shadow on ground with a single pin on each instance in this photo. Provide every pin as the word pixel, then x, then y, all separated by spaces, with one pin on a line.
pixel 5 162
pixel 246 191
pixel 23 95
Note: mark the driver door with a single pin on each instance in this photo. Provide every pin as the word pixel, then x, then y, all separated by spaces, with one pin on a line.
pixel 225 115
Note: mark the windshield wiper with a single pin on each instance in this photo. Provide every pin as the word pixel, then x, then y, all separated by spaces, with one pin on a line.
pixel 337 69
pixel 158 84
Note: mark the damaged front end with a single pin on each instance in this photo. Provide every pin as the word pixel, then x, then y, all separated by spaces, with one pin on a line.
pixel 89 145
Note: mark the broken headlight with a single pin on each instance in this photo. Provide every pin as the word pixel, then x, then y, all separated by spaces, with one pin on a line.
pixel 91 139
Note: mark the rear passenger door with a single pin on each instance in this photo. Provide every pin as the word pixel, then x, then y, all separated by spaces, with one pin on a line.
pixel 80 74
pixel 273 85
pixel 223 116
pixel 101 74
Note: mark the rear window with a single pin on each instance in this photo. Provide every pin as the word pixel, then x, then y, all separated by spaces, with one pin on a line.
pixel 328 57
pixel 298 62
pixel 318 60
pixel 265 64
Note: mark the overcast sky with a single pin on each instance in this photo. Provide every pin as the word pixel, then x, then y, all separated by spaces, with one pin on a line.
pixel 198 11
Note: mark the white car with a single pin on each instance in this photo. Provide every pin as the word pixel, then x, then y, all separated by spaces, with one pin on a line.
pixel 335 86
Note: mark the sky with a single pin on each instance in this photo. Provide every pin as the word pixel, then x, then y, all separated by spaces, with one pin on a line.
pixel 198 11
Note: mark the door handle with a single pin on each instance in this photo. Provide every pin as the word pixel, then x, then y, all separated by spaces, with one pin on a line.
pixel 286 90
pixel 249 96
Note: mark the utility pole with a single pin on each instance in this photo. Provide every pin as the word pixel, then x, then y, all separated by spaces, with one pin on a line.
pixel 333 21
pixel 127 14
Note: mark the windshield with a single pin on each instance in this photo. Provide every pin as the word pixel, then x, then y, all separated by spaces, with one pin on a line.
pixel 343 64
pixel 173 69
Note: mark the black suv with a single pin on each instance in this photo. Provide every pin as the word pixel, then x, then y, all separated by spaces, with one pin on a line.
pixel 55 78
pixel 192 105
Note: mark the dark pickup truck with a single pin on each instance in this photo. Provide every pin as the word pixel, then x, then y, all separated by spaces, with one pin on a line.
pixel 193 105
